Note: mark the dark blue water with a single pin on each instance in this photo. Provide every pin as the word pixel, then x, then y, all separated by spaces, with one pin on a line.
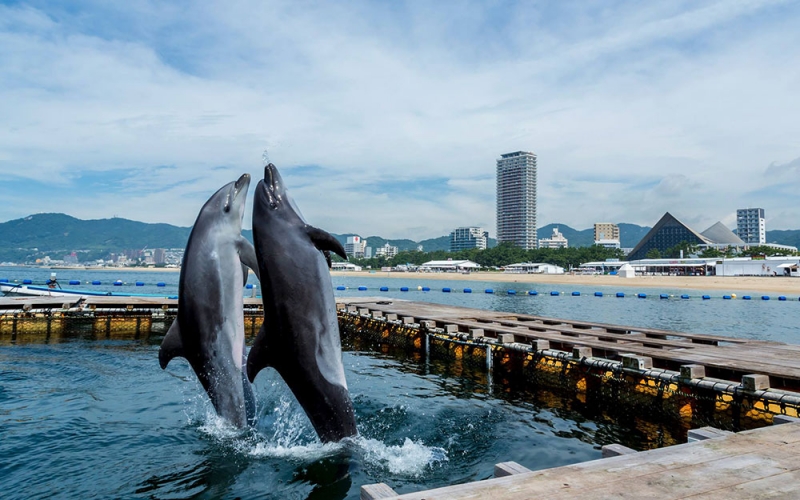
pixel 99 419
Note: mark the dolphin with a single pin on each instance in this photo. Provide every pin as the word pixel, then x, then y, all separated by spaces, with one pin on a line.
pixel 300 334
pixel 209 329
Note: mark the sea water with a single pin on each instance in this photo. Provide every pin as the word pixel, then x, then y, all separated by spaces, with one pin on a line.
pixel 98 418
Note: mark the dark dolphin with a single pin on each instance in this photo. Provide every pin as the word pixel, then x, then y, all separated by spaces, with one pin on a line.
pixel 209 330
pixel 300 335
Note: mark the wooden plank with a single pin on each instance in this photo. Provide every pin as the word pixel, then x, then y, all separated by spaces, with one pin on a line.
pixel 739 464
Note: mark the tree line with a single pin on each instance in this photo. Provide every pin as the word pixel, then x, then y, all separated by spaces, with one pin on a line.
pixel 501 255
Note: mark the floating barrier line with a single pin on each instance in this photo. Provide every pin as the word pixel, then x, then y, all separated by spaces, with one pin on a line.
pixel 556 293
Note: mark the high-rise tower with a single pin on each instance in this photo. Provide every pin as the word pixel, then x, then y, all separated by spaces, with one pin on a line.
pixel 751 226
pixel 516 199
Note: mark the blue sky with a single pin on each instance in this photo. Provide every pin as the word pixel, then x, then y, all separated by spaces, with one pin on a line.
pixel 387 117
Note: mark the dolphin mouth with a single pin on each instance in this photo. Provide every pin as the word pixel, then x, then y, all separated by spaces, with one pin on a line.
pixel 241 185
pixel 272 185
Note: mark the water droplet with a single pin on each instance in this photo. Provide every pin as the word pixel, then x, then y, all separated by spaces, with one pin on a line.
pixel 265 157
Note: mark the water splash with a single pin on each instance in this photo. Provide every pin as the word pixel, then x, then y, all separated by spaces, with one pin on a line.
pixel 412 458
pixel 265 158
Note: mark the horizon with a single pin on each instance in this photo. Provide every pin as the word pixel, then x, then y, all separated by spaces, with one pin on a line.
pixel 393 115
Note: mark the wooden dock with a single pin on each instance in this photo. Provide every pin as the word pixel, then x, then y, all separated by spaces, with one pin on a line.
pixel 761 463
pixel 713 356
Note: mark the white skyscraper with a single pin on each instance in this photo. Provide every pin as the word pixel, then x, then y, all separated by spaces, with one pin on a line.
pixel 751 226
pixel 516 199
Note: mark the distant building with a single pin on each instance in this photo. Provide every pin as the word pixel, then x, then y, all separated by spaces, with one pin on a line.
pixel 449 266
pixel 368 253
pixel 751 225
pixel 557 240
pixel 71 258
pixel 344 266
pixel 355 246
pixel 386 250
pixel 669 232
pixel 516 199
pixel 533 268
pixel 467 238
pixel 606 235
pixel 160 256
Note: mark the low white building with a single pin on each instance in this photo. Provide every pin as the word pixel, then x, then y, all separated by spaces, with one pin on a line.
pixel 449 266
pixel 386 250
pixel 769 266
pixel 344 266
pixel 533 268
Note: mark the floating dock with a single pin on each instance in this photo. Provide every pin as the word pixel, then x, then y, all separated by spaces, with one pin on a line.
pixel 761 463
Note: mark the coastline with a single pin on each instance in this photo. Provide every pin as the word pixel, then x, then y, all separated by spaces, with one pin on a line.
pixel 732 284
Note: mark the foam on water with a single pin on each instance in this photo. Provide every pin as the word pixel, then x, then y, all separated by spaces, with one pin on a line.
pixel 412 458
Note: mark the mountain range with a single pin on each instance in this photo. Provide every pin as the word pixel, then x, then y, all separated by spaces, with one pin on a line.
pixel 57 235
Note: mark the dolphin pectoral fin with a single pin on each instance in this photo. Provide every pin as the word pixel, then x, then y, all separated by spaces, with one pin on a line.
pixel 171 346
pixel 259 356
pixel 247 254
pixel 323 240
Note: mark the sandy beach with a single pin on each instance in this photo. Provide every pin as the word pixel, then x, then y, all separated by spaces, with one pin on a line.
pixel 732 284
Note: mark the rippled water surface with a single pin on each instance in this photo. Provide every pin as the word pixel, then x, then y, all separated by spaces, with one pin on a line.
pixel 96 418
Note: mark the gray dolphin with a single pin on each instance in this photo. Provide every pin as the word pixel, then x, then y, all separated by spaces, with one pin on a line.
pixel 300 334
pixel 209 330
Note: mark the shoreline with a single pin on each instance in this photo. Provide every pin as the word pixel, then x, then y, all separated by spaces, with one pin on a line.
pixel 732 284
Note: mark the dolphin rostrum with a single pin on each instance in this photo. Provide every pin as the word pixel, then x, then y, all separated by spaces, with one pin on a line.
pixel 300 334
pixel 209 329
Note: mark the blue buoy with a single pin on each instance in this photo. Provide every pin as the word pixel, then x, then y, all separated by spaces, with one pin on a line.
pixel 746 297
pixel 173 297
pixel 782 297
pixel 533 292
pixel 249 286
pixel 620 294
pixel 554 293
pixel 340 287
pixel 140 283
pixel 642 295
pixel 118 283
pixel 3 280
pixel 468 290
pixel 576 294
pixel 74 282
pixel 684 296
pixel 663 296
pixel 362 288
pixel 706 297
pixel 598 294
pixel 726 297
pixel 765 297
pixel 403 288
pixel 161 284
pixel 488 290
pixel 512 292
pixel 95 282
pixel 384 289
pixel 27 282
pixel 426 289
pixel 446 290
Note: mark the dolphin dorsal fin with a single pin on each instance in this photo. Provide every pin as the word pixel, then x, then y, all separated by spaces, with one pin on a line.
pixel 323 240
pixel 171 346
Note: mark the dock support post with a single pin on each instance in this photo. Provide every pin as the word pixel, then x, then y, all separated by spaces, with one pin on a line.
pixel 376 491
pixel 509 469
pixel 615 450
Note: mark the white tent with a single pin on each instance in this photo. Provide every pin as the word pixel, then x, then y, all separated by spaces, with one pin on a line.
pixel 626 271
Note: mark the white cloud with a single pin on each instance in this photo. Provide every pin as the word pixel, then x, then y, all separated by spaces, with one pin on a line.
pixel 681 104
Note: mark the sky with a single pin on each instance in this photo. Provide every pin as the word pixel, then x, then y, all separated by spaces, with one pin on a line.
pixel 387 118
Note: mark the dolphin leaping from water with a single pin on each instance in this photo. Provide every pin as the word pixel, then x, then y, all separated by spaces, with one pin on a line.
pixel 209 330
pixel 300 334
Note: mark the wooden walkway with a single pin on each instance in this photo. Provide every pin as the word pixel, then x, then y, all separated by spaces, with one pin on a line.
pixel 722 357
pixel 762 463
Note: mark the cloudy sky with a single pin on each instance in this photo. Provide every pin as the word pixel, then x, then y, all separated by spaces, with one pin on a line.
pixel 387 117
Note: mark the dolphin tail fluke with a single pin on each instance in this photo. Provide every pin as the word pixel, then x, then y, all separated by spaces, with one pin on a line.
pixel 324 240
pixel 171 346
pixel 259 357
